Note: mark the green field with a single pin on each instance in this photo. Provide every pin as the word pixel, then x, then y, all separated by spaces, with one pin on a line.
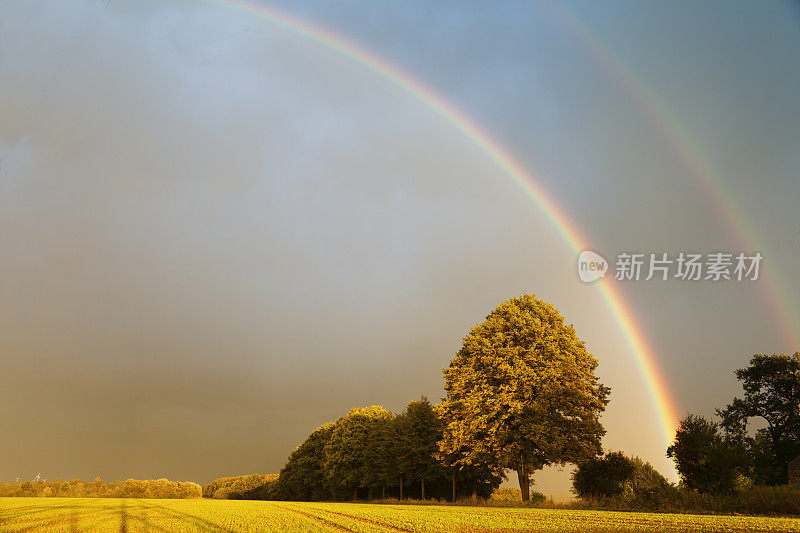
pixel 74 514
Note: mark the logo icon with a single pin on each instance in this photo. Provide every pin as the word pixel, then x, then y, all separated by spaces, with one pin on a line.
pixel 591 266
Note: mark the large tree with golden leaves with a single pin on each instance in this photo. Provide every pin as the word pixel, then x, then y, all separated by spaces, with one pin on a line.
pixel 522 393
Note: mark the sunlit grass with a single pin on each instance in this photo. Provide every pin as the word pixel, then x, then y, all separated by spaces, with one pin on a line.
pixel 134 515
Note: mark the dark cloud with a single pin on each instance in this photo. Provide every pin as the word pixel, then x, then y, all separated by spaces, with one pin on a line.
pixel 217 236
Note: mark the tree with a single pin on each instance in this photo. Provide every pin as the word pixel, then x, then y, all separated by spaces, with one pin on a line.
pixel 615 475
pixel 419 431
pixel 465 463
pixel 602 476
pixel 346 454
pixel 303 476
pixel 705 460
pixel 771 386
pixel 380 463
pixel 522 393
pixel 647 483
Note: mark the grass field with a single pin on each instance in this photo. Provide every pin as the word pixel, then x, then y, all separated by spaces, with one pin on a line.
pixel 73 514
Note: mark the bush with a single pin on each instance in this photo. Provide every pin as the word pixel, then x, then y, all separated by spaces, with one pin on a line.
pixel 781 500
pixel 617 476
pixel 602 477
pixel 506 495
pixel 647 485
pixel 511 496
pixel 764 500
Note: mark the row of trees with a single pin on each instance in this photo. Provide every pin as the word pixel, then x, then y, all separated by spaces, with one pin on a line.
pixel 131 488
pixel 521 394
pixel 757 435
pixel 373 453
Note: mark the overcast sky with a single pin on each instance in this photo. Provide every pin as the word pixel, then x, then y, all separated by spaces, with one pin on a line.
pixel 217 235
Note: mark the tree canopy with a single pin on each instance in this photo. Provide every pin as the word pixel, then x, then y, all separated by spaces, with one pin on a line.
pixel 705 459
pixel 419 429
pixel 303 476
pixel 771 386
pixel 616 475
pixel 347 454
pixel 522 393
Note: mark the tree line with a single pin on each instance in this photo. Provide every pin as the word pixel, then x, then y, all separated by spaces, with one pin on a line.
pixel 130 488
pixel 371 453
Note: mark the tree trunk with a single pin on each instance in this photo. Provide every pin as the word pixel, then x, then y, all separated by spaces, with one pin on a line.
pixel 454 486
pixel 524 482
pixel 422 483
pixel 383 492
pixel 401 488
pixel 474 490
pixel 355 493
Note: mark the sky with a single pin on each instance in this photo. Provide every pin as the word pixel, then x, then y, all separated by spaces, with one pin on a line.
pixel 218 235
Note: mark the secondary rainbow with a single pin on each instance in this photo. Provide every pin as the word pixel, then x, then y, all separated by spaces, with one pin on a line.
pixel 646 359
pixel 698 164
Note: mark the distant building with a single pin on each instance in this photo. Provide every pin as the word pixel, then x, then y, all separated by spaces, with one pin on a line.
pixel 794 471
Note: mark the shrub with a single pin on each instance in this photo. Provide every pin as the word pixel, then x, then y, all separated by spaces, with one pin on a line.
pixel 617 476
pixel 602 477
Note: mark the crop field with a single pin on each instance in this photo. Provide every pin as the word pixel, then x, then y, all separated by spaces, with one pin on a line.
pixel 133 515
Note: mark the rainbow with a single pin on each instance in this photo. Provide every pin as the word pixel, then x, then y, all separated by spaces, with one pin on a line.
pixel 646 359
pixel 699 165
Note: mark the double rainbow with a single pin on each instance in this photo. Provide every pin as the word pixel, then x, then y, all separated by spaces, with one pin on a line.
pixel 646 359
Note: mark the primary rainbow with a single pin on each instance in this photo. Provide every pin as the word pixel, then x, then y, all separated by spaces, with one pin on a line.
pixel 644 355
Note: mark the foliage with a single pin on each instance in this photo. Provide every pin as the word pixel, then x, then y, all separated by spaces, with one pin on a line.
pixel 705 459
pixel 615 475
pixel 346 464
pixel 248 487
pixel 131 488
pixel 762 500
pixel 771 386
pixel 512 496
pixel 380 456
pixel 756 500
pixel 522 393
pixel 602 476
pixel 419 430
pixel 303 477
pixel 647 485
pixel 372 453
